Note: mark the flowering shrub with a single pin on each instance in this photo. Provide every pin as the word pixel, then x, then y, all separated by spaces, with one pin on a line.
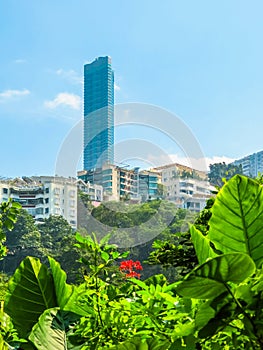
pixel 128 267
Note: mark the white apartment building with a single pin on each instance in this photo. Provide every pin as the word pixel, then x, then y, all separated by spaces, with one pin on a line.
pixel 252 164
pixel 186 187
pixel 94 191
pixel 43 196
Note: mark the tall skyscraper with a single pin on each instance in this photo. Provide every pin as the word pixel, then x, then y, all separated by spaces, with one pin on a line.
pixel 98 113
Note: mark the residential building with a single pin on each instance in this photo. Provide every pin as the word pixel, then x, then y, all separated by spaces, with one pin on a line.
pixel 120 183
pixel 252 164
pixel 186 187
pixel 105 177
pixel 117 182
pixel 98 113
pixel 43 196
pixel 94 191
pixel 128 183
pixel 149 182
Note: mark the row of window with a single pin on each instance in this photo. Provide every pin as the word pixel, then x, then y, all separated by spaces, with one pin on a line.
pixel 56 191
pixel 41 211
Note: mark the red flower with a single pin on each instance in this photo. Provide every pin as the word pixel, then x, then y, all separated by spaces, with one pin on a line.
pixel 133 274
pixel 128 265
pixel 137 265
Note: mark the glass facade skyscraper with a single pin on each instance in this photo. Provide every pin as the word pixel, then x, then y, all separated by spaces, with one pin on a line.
pixel 98 113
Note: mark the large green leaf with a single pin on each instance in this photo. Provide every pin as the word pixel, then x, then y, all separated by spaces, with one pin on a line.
pixel 139 344
pixel 237 216
pixel 67 295
pixel 50 331
pixel 209 279
pixel 203 315
pixel 3 345
pixel 63 290
pixel 202 245
pixel 30 292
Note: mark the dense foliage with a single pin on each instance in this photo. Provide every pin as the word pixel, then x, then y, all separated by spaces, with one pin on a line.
pixel 155 220
pixel 219 172
pixel 156 229
pixel 8 216
pixel 217 305
pixel 54 237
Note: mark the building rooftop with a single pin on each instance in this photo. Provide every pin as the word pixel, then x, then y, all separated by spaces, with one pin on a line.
pixel 180 167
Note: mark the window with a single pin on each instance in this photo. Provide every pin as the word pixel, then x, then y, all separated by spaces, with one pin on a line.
pixel 5 190
pixel 31 211
pixel 56 190
pixel 106 172
pixel 107 178
pixel 47 190
pixel 153 178
pixel 39 211
pixel 72 193
pixel 46 210
pixel 46 200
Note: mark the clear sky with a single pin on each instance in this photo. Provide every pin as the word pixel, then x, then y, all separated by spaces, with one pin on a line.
pixel 201 60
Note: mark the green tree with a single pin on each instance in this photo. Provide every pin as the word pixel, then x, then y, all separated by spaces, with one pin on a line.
pixel 57 241
pixel 25 224
pixel 220 171
pixel 8 215
pixel 173 249
pixel 155 219
pixel 52 231
pixel 202 221
pixel 17 247
pixel 54 237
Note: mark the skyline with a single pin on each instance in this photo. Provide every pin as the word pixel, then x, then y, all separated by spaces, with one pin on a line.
pixel 98 113
pixel 202 62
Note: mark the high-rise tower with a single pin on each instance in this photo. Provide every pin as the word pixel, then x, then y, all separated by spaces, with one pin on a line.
pixel 98 113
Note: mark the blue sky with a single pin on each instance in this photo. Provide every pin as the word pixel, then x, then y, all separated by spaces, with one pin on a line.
pixel 201 60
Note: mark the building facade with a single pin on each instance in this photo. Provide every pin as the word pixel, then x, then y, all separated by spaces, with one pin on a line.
pixel 186 187
pixel 43 196
pixel 94 191
pixel 252 164
pixel 120 183
pixel 117 182
pixel 98 113
pixel 106 177
pixel 149 182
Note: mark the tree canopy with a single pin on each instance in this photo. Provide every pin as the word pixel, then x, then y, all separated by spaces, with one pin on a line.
pixel 220 171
